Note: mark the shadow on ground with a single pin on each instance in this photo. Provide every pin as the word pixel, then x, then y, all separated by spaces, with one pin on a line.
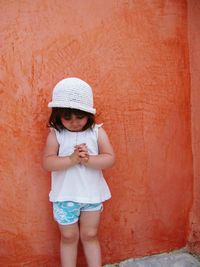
pixel 172 259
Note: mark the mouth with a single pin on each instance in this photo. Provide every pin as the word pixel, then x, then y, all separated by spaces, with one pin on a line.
pixel 74 129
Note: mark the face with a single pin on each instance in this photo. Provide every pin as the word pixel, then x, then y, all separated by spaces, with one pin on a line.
pixel 74 123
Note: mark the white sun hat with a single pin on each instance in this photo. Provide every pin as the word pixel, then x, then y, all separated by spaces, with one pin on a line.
pixel 73 93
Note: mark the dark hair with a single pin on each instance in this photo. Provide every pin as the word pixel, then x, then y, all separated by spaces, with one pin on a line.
pixel 58 113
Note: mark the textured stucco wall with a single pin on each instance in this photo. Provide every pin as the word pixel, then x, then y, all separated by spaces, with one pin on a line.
pixel 135 55
pixel 194 49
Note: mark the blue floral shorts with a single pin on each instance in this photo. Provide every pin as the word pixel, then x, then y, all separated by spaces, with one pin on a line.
pixel 68 212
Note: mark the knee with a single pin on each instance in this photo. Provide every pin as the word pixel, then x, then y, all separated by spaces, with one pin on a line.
pixel 88 235
pixel 70 237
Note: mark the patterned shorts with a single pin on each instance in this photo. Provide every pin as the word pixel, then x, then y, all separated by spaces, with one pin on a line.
pixel 68 212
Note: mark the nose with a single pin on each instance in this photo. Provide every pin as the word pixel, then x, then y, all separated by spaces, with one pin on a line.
pixel 74 121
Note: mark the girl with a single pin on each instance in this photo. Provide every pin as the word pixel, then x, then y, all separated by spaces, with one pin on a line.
pixel 76 151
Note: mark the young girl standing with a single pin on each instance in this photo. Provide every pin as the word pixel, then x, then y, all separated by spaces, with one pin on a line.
pixel 76 152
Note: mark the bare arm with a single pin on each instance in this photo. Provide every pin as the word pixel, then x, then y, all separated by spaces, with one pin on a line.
pixel 106 157
pixel 51 160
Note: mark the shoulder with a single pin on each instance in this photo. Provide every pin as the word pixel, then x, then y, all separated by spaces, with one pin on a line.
pixel 52 145
pixel 51 137
pixel 58 135
pixel 102 133
pixel 104 143
pixel 96 129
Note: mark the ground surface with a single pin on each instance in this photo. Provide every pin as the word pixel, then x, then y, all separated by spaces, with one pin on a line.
pixel 173 259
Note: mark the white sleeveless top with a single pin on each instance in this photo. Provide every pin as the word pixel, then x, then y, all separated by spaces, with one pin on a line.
pixel 78 183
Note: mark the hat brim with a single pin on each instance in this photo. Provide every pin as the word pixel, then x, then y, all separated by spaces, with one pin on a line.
pixel 62 104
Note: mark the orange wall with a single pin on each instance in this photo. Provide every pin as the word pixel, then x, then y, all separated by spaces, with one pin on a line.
pixel 135 55
pixel 194 40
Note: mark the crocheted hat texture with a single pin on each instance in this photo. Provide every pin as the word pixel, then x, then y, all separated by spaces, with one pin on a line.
pixel 73 93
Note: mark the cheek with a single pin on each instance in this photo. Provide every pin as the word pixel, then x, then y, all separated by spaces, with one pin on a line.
pixel 84 121
pixel 64 122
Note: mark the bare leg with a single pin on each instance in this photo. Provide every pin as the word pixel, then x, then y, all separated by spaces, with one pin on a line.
pixel 68 244
pixel 89 222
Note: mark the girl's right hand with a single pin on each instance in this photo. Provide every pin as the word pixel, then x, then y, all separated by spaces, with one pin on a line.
pixel 83 153
pixel 74 157
pixel 80 154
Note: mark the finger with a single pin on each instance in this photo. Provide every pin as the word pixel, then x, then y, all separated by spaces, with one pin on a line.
pixel 84 160
pixel 83 151
pixel 83 154
pixel 80 145
pixel 82 148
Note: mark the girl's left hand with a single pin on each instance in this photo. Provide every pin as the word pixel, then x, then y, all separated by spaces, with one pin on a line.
pixel 83 153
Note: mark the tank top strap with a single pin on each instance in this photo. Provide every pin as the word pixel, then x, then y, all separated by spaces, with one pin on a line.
pixel 96 129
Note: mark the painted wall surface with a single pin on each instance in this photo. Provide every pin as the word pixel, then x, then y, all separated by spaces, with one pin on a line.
pixel 194 48
pixel 135 55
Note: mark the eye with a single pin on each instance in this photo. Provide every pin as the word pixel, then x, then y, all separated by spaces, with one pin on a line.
pixel 80 117
pixel 67 118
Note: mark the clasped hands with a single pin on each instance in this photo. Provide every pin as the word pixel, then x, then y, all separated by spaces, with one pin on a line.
pixel 80 154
